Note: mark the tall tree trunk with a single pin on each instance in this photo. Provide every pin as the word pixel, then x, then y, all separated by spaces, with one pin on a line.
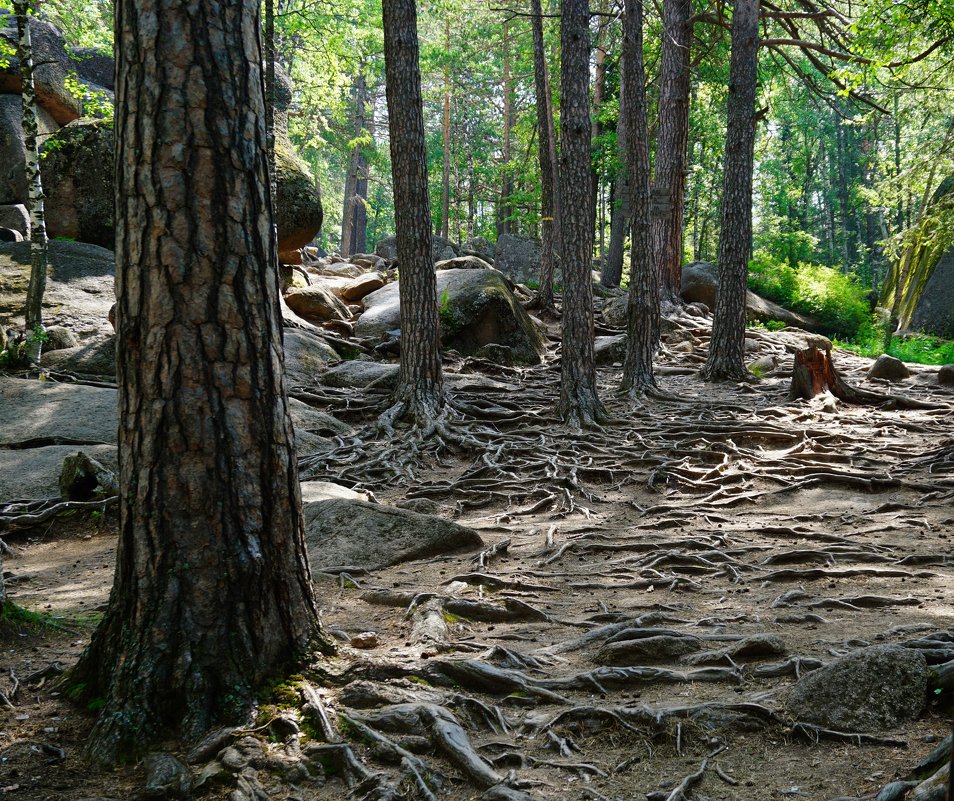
pixel 599 92
pixel 642 322
pixel 420 392
pixel 727 346
pixel 212 593
pixel 347 206
pixel 620 217
pixel 33 313
pixel 579 404
pixel 356 178
pixel 445 178
pixel 549 245
pixel 505 210
pixel 359 223
pixel 669 184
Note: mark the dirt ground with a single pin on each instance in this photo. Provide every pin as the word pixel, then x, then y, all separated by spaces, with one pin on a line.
pixel 717 512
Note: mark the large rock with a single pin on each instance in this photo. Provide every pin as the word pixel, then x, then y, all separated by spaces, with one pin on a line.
pixel 463 263
pixel 360 374
pixel 476 307
pixel 871 689
pixel 79 287
pixel 298 210
pixel 945 375
pixel 316 303
pixel 80 189
pixel 350 533
pixel 481 247
pixel 889 368
pixel 700 284
pixel 934 313
pixel 13 182
pixel 52 68
pixel 361 286
pixel 306 356
pixel 95 358
pixel 518 257
pixel 94 67
pixel 441 248
pixel 56 414
pixel 16 217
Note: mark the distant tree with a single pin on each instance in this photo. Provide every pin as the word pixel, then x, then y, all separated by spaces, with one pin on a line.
pixel 420 392
pixel 38 243
pixel 546 148
pixel 643 313
pixel 354 215
pixel 579 403
pixel 212 593
pixel 727 345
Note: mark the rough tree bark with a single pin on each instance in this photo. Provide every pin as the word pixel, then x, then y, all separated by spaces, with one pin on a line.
pixel 420 392
pixel 669 184
pixel 212 593
pixel 549 245
pixel 642 322
pixel 727 346
pixel 579 403
pixel 33 313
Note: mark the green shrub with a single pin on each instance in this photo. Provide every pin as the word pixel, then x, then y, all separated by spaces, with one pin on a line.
pixel 835 300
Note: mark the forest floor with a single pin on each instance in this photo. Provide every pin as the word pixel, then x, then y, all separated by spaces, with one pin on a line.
pixel 763 537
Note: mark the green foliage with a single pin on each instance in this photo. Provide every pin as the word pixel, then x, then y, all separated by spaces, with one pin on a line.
pixel 836 300
pixel 919 348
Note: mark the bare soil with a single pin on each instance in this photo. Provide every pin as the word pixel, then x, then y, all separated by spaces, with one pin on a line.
pixel 700 512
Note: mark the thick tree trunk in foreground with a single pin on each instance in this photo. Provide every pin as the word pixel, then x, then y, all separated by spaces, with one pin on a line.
pixel 212 592
pixel 579 404
pixel 38 245
pixel 669 185
pixel 642 322
pixel 726 348
pixel 420 393
pixel 549 244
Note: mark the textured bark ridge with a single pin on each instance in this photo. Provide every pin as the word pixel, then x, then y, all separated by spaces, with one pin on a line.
pixel 420 393
pixel 212 592
pixel 726 349
pixel 579 404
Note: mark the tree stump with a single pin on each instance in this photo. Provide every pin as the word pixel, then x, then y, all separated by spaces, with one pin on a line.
pixel 814 373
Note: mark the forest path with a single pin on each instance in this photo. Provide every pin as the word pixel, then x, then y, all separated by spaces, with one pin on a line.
pixel 647 594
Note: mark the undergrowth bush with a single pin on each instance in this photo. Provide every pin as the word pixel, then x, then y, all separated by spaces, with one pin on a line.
pixel 835 300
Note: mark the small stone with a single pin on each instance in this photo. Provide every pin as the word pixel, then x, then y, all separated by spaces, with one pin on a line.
pixel 366 639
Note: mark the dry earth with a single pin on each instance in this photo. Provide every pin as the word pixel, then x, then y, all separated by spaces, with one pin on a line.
pixel 718 512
